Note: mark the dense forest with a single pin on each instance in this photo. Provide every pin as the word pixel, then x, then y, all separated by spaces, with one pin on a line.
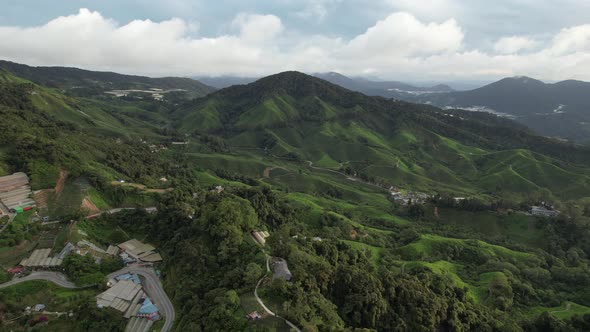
pixel 338 287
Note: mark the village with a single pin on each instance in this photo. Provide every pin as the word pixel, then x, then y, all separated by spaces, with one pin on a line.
pixel 135 290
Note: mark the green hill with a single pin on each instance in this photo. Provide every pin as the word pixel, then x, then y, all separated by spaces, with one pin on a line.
pixel 302 118
pixel 311 163
pixel 81 82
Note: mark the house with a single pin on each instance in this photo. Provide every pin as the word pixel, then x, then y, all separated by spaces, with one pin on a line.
pixel 16 270
pixel 281 270
pixel 254 315
pixel 148 310
pixel 39 307
pixel 543 211
pixel 260 237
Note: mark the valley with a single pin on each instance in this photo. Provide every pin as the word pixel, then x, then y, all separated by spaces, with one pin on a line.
pixel 387 213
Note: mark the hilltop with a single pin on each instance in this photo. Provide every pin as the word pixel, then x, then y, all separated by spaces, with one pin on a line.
pixel 293 115
pixel 80 82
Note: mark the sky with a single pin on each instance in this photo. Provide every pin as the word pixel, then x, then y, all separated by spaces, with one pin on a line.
pixel 405 40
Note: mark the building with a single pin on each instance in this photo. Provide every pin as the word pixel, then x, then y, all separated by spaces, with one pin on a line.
pixel 16 270
pixel 120 296
pixel 254 315
pixel 543 211
pixel 260 236
pixel 148 310
pixel 281 270
pixel 112 250
pixel 87 247
pixel 15 193
pixel 40 258
pixel 140 251
pixel 66 251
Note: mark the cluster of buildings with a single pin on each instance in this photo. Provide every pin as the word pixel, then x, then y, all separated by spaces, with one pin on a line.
pixel 155 93
pixel 408 197
pixel 126 295
pixel 132 251
pixel 15 193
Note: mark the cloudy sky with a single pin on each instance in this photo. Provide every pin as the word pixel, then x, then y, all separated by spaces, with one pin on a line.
pixel 426 40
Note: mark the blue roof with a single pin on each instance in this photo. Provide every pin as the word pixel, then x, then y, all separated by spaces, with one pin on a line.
pixel 148 307
pixel 129 276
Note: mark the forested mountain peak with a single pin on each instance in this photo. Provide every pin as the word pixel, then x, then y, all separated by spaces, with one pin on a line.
pixel 292 83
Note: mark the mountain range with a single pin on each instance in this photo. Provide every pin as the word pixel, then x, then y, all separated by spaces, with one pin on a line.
pixel 316 165
pixel 558 109
pixel 293 115
pixel 307 119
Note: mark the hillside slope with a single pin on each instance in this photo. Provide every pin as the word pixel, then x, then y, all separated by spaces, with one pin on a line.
pixel 81 82
pixel 296 116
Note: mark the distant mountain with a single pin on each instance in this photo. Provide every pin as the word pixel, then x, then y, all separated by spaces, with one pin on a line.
pixel 221 82
pixel 298 117
pixel 387 89
pixel 560 109
pixel 80 82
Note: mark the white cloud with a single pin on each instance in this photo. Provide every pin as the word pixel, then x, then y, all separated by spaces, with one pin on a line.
pixel 400 46
pixel 571 40
pixel 258 28
pixel 403 34
pixel 514 44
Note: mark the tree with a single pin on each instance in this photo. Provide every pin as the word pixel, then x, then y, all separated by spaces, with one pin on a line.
pixel 252 274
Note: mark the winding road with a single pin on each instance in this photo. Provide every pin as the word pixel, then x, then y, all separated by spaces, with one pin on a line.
pixel 54 277
pixel 266 309
pixel 151 285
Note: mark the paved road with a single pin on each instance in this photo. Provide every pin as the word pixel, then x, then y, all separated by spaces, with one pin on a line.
pixel 153 287
pixel 268 311
pixel 111 211
pixel 348 177
pixel 54 277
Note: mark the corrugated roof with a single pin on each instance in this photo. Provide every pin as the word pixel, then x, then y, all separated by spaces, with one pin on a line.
pixel 154 257
pixel 112 250
pixel 148 307
pixel 140 250
pixel 39 257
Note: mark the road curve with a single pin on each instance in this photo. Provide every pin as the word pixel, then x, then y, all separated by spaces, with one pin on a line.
pixel 153 287
pixel 54 277
pixel 268 311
